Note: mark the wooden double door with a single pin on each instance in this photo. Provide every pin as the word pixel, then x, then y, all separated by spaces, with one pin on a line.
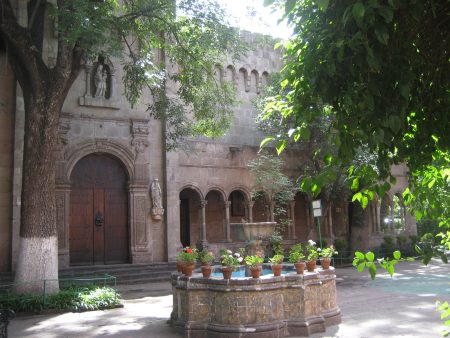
pixel 98 212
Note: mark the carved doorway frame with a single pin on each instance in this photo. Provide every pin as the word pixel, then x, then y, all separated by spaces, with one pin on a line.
pixel 138 198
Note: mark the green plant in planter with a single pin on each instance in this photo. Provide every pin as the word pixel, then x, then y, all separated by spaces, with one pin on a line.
pixel 312 251
pixel 188 255
pixel 230 260
pixel 296 253
pixel 328 252
pixel 206 257
pixel 253 261
pixel 276 259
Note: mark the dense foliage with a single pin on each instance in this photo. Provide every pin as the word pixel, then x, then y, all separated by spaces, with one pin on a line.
pixel 377 73
pixel 86 298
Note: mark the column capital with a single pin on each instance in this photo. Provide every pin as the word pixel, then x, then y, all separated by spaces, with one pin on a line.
pixel 251 204
pixel 203 203
pixel 227 204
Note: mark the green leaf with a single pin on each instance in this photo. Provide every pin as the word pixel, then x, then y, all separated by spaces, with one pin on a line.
pixel 390 269
pixel 397 254
pixel 359 255
pixel 268 2
pixel 358 10
pixel 372 271
pixel 361 267
pixel 265 141
pixel 281 145
pixel 355 183
pixel 370 256
pixel 364 202
pixel 323 4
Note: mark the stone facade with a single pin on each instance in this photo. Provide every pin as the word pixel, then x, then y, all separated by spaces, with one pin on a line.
pixel 202 192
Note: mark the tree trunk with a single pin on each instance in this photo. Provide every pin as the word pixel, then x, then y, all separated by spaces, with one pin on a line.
pixel 37 267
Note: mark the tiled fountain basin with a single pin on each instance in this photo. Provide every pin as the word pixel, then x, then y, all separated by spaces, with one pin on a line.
pixel 285 306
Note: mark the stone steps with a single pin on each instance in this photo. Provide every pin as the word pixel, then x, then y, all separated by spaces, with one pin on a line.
pixel 126 274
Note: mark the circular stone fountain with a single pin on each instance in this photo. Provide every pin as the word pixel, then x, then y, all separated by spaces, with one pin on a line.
pixel 266 307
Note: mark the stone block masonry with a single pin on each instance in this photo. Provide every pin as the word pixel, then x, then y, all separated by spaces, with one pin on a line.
pixel 267 307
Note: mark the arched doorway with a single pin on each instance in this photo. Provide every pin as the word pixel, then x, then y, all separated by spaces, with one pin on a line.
pixel 189 217
pixel 98 212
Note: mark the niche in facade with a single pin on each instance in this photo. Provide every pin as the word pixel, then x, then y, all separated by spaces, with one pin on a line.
pixel 99 84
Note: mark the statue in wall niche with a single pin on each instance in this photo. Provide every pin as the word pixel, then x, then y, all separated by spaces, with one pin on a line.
pixel 157 207
pixel 100 81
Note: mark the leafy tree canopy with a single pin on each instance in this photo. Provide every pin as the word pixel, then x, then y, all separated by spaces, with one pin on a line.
pixel 378 72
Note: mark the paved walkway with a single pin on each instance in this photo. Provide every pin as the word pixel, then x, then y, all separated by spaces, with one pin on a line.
pixel 400 307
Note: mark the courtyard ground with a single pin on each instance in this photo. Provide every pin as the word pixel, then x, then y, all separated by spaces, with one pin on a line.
pixel 403 306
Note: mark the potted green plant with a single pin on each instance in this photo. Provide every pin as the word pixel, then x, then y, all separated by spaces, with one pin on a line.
pixel 296 257
pixel 277 265
pixel 229 262
pixel 312 253
pixel 187 257
pixel 254 262
pixel 206 258
pixel 325 256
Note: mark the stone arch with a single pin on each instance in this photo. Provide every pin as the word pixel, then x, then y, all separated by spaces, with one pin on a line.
pixel 230 75
pixel 80 150
pixel 243 80
pixel 264 79
pixel 219 190
pixel 191 201
pixel 254 81
pixel 246 192
pixel 215 215
pixel 195 188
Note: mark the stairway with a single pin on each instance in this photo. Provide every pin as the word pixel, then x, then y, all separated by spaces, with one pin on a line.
pixel 125 273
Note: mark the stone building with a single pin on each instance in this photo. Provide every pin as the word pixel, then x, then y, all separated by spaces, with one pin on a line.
pixel 121 198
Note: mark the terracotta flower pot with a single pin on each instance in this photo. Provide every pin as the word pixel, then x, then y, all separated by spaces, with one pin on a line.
pixel 276 269
pixel 325 262
pixel 188 268
pixel 300 267
pixel 206 271
pixel 226 271
pixel 311 266
pixel 179 267
pixel 256 271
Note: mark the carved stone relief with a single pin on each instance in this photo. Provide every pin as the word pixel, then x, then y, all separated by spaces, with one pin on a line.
pixel 139 133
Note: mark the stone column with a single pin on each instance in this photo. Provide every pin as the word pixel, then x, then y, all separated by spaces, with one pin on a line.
pixel 112 84
pixel 202 241
pixel 88 68
pixel 141 251
pixel 292 216
pixel 250 211
pixel 227 221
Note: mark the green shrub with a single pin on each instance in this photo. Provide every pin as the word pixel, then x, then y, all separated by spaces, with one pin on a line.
pixel 341 246
pixel 72 298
